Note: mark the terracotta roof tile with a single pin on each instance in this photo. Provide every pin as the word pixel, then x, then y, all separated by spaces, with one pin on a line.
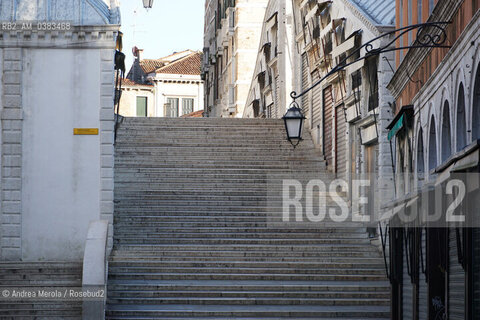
pixel 149 65
pixel 128 82
pixel 190 65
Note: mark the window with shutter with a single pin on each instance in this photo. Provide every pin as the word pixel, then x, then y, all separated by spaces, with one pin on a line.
pixel 171 107
pixel 141 106
pixel 187 105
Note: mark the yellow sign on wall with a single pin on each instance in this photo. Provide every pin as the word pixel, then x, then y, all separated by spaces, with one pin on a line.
pixel 85 131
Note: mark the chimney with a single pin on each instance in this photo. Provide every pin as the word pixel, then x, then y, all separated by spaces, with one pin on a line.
pixel 137 70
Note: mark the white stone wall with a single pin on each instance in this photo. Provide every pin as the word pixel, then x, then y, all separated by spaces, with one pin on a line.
pixel 128 102
pixel 54 182
pixel 234 53
pixel 178 86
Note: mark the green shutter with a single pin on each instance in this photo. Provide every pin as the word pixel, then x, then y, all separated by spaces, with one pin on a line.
pixel 141 106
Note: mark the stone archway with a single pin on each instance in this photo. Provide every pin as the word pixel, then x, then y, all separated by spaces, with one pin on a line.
pixel 476 107
pixel 461 120
pixel 432 145
pixel 446 132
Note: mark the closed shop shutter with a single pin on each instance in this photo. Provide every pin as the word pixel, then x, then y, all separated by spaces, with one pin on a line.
pixel 456 280
pixel 340 143
pixel 317 102
pixel 407 292
pixel 277 98
pixel 305 85
pixel 327 126
pixel 422 283
pixel 476 272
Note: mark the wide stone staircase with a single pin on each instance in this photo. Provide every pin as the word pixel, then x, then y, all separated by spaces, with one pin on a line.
pixel 194 234
pixel 39 279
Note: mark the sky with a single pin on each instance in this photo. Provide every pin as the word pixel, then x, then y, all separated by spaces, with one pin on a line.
pixel 170 26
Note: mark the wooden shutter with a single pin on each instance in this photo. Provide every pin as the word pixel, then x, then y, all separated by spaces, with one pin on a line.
pixel 328 126
pixel 187 105
pixel 305 85
pixel 171 108
pixel 340 143
pixel 317 102
pixel 277 98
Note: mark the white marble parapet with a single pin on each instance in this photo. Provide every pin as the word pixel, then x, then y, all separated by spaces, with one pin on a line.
pixel 77 12
pixel 68 37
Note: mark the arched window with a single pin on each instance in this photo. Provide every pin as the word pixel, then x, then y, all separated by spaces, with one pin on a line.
pixel 432 146
pixel 420 157
pixel 446 133
pixel 476 107
pixel 461 122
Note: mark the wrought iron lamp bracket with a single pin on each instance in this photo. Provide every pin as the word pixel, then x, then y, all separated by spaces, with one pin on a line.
pixel 428 35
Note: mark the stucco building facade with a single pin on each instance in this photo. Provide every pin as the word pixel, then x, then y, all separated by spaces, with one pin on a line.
pixel 348 112
pixel 167 87
pixel 231 35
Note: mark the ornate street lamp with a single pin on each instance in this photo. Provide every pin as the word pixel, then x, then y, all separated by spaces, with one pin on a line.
pixel 294 119
pixel 147 4
pixel 429 35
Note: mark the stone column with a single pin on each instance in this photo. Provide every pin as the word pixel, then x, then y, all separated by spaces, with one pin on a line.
pixel 11 117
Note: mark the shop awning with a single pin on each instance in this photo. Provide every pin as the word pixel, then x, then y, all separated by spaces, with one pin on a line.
pixel 403 117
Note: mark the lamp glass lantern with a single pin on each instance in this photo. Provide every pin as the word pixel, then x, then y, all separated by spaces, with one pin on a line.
pixel 147 4
pixel 294 119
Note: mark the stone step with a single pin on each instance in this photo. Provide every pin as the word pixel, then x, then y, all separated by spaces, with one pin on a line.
pixel 222 130
pixel 285 311
pixel 302 248
pixel 21 275
pixel 264 230
pixel 183 236
pixel 210 135
pixel 167 156
pixel 267 167
pixel 195 236
pixel 277 165
pixel 247 286
pixel 122 252
pixel 164 233
pixel 229 241
pixel 252 295
pixel 252 301
pixel 245 264
pixel 244 276
pixel 219 171
pixel 147 317
pixel 300 261
pixel 195 122
pixel 34 313
pixel 39 305
pixel 125 215
pixel 246 225
pixel 244 270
